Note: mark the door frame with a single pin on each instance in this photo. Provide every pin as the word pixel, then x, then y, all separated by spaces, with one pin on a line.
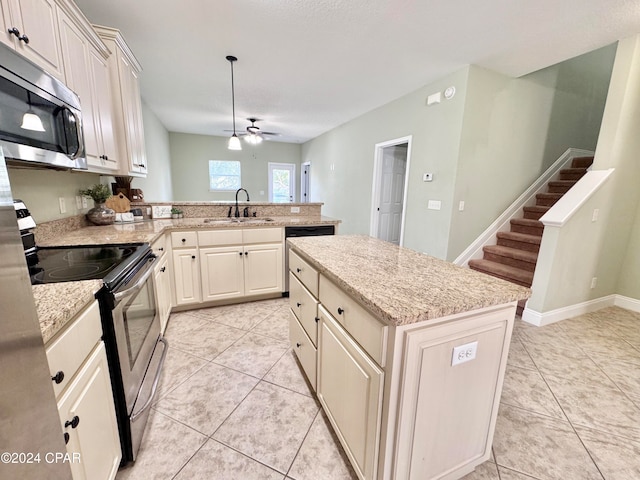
pixel 305 187
pixel 377 177
pixel 270 166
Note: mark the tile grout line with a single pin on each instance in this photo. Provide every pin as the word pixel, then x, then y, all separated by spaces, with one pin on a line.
pixel 302 442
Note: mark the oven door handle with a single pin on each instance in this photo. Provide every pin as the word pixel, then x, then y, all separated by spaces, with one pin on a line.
pixel 139 283
pixel 156 379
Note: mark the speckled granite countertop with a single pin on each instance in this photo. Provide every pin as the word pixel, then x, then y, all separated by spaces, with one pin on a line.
pixel 149 230
pixel 401 286
pixel 57 303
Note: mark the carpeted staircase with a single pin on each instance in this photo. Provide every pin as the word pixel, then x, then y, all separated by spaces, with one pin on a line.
pixel 514 257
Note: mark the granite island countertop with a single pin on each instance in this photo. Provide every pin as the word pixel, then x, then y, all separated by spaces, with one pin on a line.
pixel 149 230
pixel 401 286
pixel 57 303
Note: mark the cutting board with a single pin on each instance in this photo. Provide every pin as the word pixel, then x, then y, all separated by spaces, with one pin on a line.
pixel 119 203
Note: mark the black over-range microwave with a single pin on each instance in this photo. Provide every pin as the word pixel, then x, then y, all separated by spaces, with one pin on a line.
pixel 40 119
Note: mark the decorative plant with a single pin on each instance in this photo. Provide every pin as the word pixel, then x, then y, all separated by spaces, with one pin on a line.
pixel 175 211
pixel 99 193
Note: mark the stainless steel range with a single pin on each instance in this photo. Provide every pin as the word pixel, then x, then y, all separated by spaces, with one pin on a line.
pixel 131 325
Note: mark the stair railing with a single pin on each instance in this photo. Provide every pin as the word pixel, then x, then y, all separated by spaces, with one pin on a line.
pixel 528 198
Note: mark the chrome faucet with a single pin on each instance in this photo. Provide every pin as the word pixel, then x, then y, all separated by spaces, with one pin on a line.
pixel 237 210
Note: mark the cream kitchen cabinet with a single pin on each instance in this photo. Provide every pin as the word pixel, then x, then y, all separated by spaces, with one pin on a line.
pixel 85 57
pixel 82 384
pixel 31 28
pixel 186 272
pixel 222 272
pixel 162 278
pixel 124 72
pixel 350 389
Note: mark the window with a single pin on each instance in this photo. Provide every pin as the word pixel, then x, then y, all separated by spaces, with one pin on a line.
pixel 224 175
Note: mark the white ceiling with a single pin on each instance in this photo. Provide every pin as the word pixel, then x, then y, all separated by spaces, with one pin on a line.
pixel 307 66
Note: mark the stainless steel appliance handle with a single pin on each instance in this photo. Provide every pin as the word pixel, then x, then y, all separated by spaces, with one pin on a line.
pixel 139 283
pixel 80 135
pixel 156 379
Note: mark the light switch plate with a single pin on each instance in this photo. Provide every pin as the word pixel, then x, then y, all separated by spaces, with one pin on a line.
pixel 161 211
pixel 434 204
pixel 295 209
pixel 427 177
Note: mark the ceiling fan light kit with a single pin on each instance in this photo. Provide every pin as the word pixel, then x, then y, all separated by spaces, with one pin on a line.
pixel 234 141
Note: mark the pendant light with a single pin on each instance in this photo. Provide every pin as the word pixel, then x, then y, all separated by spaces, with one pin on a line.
pixel 31 121
pixel 234 141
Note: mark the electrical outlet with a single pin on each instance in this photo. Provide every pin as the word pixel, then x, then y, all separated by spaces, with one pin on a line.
pixel 295 209
pixel 84 202
pixel 594 217
pixel 148 211
pixel 461 206
pixel 434 204
pixel 594 282
pixel 464 353
pixel 63 205
pixel 78 202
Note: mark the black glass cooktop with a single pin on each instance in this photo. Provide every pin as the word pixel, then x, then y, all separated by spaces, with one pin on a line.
pixel 68 264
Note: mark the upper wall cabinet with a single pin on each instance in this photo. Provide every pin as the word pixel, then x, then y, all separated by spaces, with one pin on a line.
pixel 85 64
pixel 31 28
pixel 124 70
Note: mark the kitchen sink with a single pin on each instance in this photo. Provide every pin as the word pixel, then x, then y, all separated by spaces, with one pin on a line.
pixel 237 220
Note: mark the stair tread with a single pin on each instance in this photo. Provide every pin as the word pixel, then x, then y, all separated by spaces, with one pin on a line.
pixel 537 208
pixel 520 237
pixel 511 252
pixel 502 270
pixel 562 183
pixel 549 195
pixel 529 222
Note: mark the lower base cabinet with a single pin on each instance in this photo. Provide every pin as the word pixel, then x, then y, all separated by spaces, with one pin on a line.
pixel 163 291
pixel 350 388
pixel 87 415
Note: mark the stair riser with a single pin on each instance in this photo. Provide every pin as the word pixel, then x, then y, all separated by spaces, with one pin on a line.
pixel 546 201
pixel 533 215
pixel 557 189
pixel 518 282
pixel 537 231
pixel 571 175
pixel 528 247
pixel 512 262
pixel 581 162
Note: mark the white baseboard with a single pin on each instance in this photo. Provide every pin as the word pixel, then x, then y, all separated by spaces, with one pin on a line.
pixel 627 303
pixel 547 318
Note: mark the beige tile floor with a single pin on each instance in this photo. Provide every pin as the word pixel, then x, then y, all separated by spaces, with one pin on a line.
pixel 233 403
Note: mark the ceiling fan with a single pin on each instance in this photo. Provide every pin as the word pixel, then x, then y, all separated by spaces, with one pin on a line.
pixel 254 134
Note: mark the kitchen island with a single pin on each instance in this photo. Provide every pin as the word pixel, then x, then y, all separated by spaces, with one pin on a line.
pixel 406 353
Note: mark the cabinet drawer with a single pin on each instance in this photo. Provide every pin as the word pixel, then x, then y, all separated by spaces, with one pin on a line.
pixel 184 239
pixel 159 247
pixel 216 238
pixel 304 306
pixel 305 272
pixel 67 352
pixel 262 235
pixel 368 331
pixel 305 350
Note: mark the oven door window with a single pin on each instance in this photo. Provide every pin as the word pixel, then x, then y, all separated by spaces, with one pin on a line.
pixel 59 131
pixel 138 315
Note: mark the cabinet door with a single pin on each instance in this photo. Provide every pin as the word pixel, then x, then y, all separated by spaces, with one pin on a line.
pixel 138 152
pixel 350 389
pixel 132 112
pixel 5 24
pixel 187 276
pixel 163 291
pixel 103 114
pixel 38 20
pixel 222 272
pixel 263 269
pixel 88 403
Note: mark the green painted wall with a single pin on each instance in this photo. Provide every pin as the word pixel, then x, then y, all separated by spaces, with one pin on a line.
pixel 514 129
pixel 342 163
pixel 157 185
pixel 190 155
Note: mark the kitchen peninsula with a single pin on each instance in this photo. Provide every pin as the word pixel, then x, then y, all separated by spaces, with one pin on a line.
pixel 406 353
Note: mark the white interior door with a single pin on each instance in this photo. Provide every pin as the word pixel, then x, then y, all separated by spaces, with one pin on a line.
pixel 304 182
pixel 282 182
pixel 391 205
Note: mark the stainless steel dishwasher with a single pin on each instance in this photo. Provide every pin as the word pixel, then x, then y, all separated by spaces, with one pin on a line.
pixel 302 231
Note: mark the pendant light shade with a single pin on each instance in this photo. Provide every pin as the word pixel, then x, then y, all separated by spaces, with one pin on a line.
pixel 253 139
pixel 234 141
pixel 31 121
